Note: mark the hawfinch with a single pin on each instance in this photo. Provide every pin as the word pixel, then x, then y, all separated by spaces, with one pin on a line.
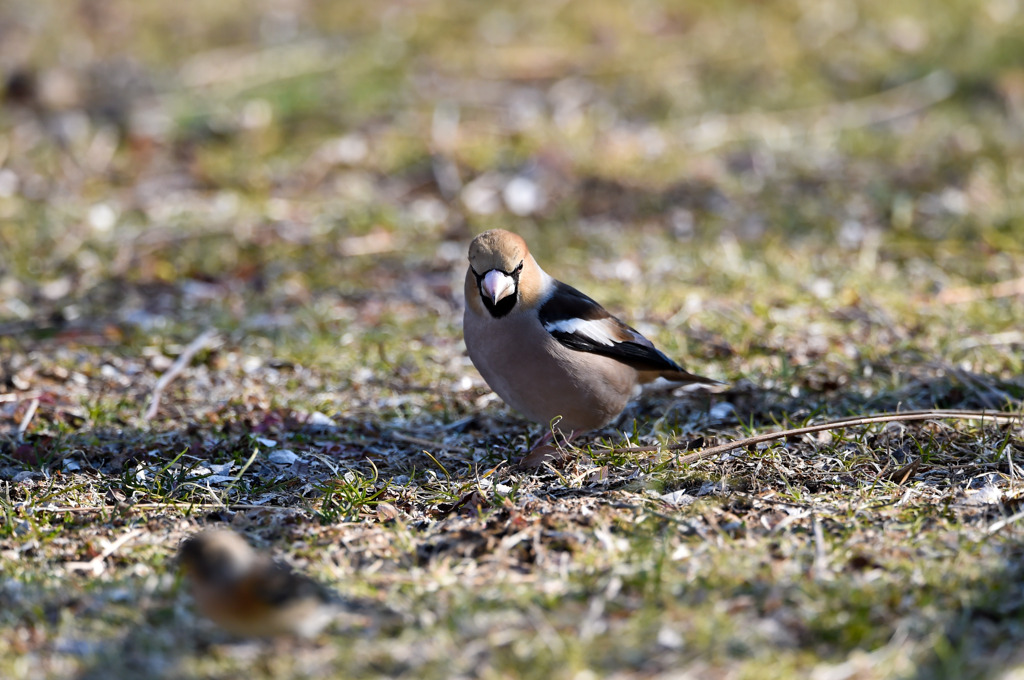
pixel 547 349
pixel 250 594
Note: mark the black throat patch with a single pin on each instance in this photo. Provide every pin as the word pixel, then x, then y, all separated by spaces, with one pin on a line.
pixel 507 303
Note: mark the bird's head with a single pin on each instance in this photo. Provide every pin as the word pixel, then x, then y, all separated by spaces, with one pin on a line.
pixel 217 555
pixel 496 259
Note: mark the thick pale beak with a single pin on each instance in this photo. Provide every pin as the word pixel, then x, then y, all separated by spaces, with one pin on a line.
pixel 497 285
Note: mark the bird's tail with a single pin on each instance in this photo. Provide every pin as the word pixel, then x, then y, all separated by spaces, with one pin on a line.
pixel 679 376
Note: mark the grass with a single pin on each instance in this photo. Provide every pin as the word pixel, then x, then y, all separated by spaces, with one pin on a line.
pixel 820 205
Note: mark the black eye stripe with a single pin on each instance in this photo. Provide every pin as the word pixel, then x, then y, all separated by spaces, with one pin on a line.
pixel 514 273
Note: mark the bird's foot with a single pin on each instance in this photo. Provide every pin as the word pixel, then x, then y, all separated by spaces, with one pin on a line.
pixel 547 450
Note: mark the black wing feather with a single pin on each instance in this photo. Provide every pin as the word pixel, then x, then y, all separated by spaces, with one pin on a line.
pixel 630 347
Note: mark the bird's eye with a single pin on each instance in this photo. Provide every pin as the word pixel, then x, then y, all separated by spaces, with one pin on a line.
pixel 517 269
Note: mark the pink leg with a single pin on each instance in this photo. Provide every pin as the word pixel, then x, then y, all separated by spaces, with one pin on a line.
pixel 548 436
pixel 544 451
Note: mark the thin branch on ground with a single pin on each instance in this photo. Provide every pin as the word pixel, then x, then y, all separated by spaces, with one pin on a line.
pixel 842 423
pixel 954 296
pixel 427 443
pixel 96 564
pixel 996 526
pixel 779 126
pixel 169 505
pixel 27 420
pixel 26 396
pixel 202 340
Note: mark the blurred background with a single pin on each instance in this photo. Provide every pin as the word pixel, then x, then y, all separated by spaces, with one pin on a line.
pixel 288 167
pixel 818 201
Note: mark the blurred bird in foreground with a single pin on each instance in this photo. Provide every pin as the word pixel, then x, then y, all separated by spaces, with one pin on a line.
pixel 548 350
pixel 250 594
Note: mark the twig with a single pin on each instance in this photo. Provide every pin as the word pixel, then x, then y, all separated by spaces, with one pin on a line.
pixel 781 126
pixel 95 565
pixel 14 396
pixel 842 423
pixel 27 419
pixel 1008 288
pixel 59 510
pixel 993 340
pixel 996 526
pixel 772 501
pixel 427 443
pixel 179 365
pixel 236 70
pixel 820 553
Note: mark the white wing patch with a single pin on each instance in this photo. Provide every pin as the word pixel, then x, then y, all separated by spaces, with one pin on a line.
pixel 598 331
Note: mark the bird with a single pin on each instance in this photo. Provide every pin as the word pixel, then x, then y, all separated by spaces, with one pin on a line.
pixel 548 350
pixel 250 594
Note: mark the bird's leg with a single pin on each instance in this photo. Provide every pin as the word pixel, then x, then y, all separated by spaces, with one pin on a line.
pixel 547 436
pixel 544 451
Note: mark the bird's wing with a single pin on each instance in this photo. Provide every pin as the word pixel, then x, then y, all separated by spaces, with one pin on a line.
pixel 581 324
